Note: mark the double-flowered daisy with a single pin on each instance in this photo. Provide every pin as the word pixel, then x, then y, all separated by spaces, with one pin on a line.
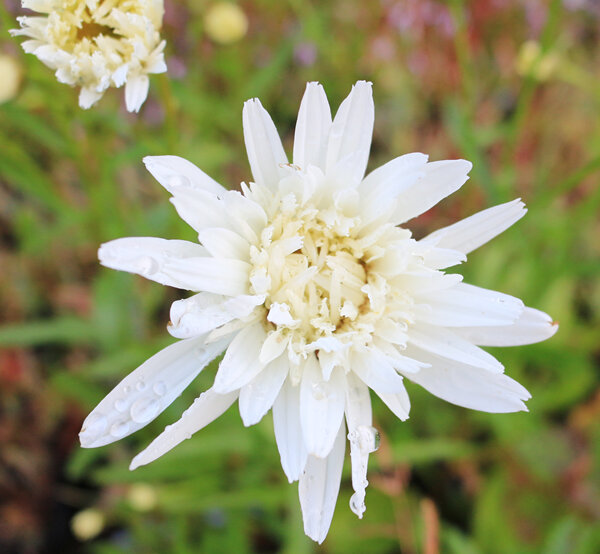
pixel 311 286
pixel 97 44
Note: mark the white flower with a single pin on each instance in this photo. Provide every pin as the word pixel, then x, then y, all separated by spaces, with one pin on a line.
pixel 316 294
pixel 97 44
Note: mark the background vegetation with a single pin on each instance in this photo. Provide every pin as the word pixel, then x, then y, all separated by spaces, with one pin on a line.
pixel 512 86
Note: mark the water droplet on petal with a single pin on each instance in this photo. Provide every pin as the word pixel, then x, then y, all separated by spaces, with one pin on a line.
pixel 367 438
pixel 146 265
pixel 179 181
pixel 121 404
pixel 318 391
pixel 126 389
pixel 357 503
pixel 140 385
pixel 144 410
pixel 160 388
pixel 119 429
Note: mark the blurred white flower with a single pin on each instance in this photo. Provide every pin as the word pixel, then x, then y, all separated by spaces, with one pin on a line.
pixel 97 44
pixel 11 72
pixel 316 294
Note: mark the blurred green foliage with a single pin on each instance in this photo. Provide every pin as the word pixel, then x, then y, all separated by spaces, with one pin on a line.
pixel 449 80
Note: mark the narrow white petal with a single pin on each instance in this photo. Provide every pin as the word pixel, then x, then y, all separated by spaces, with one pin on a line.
pixel 319 487
pixel 383 185
pixel 467 305
pixel 200 209
pixel 224 243
pixel 136 91
pixel 321 407
pixel 532 326
pixel 217 275
pixel 469 387
pixel 362 437
pixel 148 256
pixel 449 345
pixel 274 345
pixel 247 217
pixel 312 128
pixel 376 371
pixel 205 311
pixel 351 134
pixel 88 97
pixel 265 151
pixel 147 391
pixel 258 396
pixel 473 231
pixel 288 432
pixel 440 180
pixel 241 362
pixel 398 403
pixel 173 172
pixel 205 409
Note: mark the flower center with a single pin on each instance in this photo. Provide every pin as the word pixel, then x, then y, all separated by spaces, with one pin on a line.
pixel 315 278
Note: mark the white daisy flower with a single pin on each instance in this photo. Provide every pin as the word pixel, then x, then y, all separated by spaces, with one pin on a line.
pixel 97 44
pixel 309 284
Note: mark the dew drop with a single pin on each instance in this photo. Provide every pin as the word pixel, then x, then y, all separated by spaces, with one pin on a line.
pixel 357 504
pixel 126 389
pixel 119 429
pixel 146 265
pixel 121 405
pixel 140 385
pixel 179 181
pixel 144 410
pixel 368 438
pixel 160 388
pixel 318 391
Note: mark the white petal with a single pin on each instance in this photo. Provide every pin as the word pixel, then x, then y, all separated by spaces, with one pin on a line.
pixel 441 179
pixel 467 305
pixel 173 172
pixel 147 391
pixel 321 407
pixel 205 311
pixel 88 97
pixel 398 403
pixel 312 128
pixel 472 232
pixel 288 432
pixel 147 256
pixel 241 362
pixel 248 217
pixel 224 243
pixel 257 397
pixel 384 184
pixel 274 345
pixel 205 409
pixel 217 275
pixel 136 91
pixel 469 387
pixel 359 420
pixel 265 151
pixel 200 209
pixel 351 134
pixel 319 487
pixel 532 326
pixel 376 371
pixel 449 345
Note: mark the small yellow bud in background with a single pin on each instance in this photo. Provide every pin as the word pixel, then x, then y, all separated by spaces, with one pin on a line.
pixel 11 73
pixel 142 497
pixel 225 22
pixel 539 65
pixel 87 524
